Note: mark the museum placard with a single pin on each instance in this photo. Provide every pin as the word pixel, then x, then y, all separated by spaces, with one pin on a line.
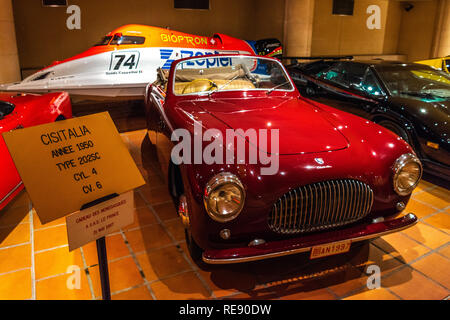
pixel 69 163
pixel 97 221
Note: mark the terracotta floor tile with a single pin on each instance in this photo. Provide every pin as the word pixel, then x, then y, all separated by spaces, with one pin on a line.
pixel 422 185
pixel 427 235
pixel 371 255
pixel 156 195
pixel 411 285
pixel 259 293
pixel 15 258
pixel 56 261
pixel 147 238
pixel 244 296
pixel 12 216
pixel 123 274
pixel 166 211
pixel 419 209
pixel 14 235
pixel 438 198
pixel 294 287
pixel 37 223
pixel 319 294
pixel 445 251
pixel 176 229
pixel 16 285
pixel 142 217
pixel 140 293
pixel 136 155
pixel 162 263
pixel 56 288
pixel 115 248
pixel 442 193
pixel 185 286
pixel 50 238
pixel 152 176
pixel 138 200
pixel 135 137
pixel 374 294
pixel 401 247
pixel 435 267
pixel 155 182
pixel 440 220
pixel 344 281
pixel 229 279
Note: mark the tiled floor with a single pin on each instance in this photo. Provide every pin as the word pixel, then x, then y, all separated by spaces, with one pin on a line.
pixel 149 259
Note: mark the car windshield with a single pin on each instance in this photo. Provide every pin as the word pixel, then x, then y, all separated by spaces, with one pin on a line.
pixel 424 83
pixel 119 39
pixel 229 73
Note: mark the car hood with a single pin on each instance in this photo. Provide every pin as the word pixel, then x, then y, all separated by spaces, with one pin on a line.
pixel 433 113
pixel 302 127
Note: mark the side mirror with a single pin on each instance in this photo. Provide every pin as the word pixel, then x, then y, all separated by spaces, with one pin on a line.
pixel 6 108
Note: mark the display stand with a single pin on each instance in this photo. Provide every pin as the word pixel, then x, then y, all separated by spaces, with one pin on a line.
pixel 101 252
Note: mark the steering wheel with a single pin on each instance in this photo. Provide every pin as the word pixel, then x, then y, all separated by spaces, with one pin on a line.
pixel 212 84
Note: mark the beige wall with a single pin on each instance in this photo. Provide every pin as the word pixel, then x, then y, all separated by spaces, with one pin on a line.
pixel 43 37
pixel 341 35
pixel 298 27
pixel 9 64
pixel 266 19
pixel 417 30
pixel 441 43
pixel 392 27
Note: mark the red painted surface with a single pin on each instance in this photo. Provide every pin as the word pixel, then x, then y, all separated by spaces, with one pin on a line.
pixel 351 147
pixel 30 110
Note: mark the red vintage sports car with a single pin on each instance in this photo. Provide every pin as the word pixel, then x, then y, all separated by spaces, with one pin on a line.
pixel 340 179
pixel 22 111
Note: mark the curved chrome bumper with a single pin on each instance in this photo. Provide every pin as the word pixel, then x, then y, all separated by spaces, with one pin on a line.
pixel 305 243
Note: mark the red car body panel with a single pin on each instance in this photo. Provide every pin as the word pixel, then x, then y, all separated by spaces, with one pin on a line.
pixel 351 147
pixel 30 110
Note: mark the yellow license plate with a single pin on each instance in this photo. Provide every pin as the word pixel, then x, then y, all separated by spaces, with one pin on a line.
pixel 330 249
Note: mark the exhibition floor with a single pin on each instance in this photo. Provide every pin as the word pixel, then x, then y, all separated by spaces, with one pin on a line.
pixel 149 259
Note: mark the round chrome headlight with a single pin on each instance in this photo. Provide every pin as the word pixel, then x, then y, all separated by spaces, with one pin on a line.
pixel 407 173
pixel 224 197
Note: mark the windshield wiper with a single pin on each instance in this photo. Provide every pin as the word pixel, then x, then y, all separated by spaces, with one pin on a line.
pixel 224 85
pixel 277 86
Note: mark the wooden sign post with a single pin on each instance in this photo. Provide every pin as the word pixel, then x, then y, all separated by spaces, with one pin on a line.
pixel 78 163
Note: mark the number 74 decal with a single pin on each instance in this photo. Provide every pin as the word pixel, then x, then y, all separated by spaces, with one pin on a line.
pixel 124 60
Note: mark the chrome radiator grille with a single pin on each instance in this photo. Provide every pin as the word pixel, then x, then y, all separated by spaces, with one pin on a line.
pixel 321 206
